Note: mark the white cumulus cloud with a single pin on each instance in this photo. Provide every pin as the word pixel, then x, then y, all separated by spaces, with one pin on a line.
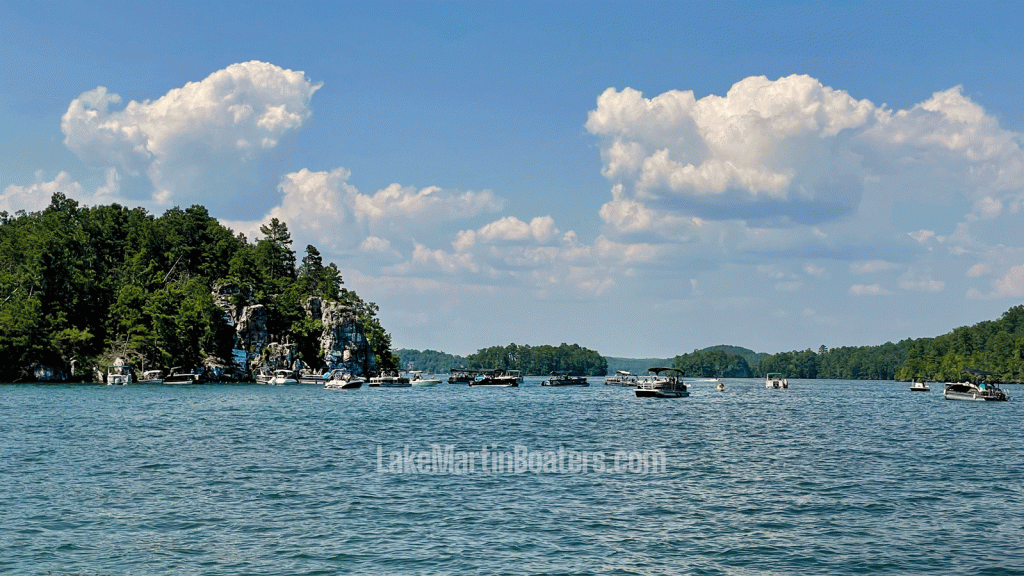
pixel 195 143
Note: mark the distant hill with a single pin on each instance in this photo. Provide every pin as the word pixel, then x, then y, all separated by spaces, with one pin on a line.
pixel 635 365
pixel 752 358
pixel 430 361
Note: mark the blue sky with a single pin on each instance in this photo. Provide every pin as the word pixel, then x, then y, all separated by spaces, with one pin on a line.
pixel 643 179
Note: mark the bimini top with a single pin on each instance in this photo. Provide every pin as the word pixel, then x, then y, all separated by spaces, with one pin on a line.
pixel 659 370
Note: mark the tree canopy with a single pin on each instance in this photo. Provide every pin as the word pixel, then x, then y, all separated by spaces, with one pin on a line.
pixel 81 285
pixel 540 360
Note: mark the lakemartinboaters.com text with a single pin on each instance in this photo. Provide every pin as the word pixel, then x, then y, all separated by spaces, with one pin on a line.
pixel 492 459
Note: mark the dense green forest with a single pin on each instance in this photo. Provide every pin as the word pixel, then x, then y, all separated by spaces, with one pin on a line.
pixel 81 285
pixel 540 360
pixel 429 361
pixel 995 346
pixel 712 363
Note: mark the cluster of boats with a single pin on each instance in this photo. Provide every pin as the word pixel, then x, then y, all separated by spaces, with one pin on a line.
pixel 976 390
pixel 661 382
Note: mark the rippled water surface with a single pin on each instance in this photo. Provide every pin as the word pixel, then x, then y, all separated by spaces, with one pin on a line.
pixel 828 477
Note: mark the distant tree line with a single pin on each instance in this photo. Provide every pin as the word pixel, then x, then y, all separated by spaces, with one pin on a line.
pixel 995 346
pixel 429 361
pixel 712 363
pixel 540 360
pixel 82 285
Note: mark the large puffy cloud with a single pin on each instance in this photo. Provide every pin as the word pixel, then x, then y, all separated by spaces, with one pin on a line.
pixel 792 153
pixel 196 143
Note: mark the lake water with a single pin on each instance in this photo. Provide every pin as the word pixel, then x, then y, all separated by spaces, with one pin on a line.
pixel 828 477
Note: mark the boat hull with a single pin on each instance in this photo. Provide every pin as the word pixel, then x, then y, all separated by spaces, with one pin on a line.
pixel 648 393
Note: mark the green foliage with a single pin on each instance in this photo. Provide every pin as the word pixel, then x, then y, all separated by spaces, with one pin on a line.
pixel 712 363
pixel 430 361
pixel 635 365
pixel 79 285
pixel 540 360
pixel 993 346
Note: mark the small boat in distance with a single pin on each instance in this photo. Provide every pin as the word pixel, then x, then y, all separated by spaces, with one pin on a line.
pixel 119 375
pixel 341 379
pixel 776 381
pixel 497 378
pixel 919 385
pixel 152 377
pixel 389 381
pixel 461 376
pixel 283 378
pixel 621 378
pixel 565 379
pixel 665 383
pixel 179 376
pixel 418 381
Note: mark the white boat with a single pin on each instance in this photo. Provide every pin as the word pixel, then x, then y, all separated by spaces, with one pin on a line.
pixel 776 381
pixel 665 383
pixel 919 385
pixel 283 378
pixel 621 378
pixel 389 381
pixel 152 377
pixel 341 379
pixel 417 380
pixel 119 375
pixel 565 379
pixel 980 392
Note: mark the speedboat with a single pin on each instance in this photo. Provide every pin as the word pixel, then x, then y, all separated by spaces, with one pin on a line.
pixel 776 381
pixel 565 379
pixel 665 383
pixel 418 381
pixel 919 385
pixel 341 379
pixel 283 378
pixel 177 376
pixel 979 392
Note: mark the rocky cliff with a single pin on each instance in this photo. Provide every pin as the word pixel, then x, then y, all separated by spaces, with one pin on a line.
pixel 343 343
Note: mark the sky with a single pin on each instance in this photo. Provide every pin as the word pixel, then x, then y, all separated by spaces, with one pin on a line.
pixel 643 179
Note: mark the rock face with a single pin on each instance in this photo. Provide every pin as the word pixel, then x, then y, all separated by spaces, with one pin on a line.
pixel 343 343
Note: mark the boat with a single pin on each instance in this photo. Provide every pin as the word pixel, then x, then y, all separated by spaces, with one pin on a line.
pixel 977 390
pixel 152 377
pixel 776 381
pixel 311 378
pixel 263 375
pixel 119 375
pixel 417 380
pixel 497 378
pixel 665 383
pixel 283 378
pixel 919 385
pixel 341 379
pixel 179 376
pixel 565 379
pixel 389 381
pixel 461 376
pixel 621 378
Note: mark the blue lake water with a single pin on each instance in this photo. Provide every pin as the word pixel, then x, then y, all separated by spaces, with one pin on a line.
pixel 828 477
